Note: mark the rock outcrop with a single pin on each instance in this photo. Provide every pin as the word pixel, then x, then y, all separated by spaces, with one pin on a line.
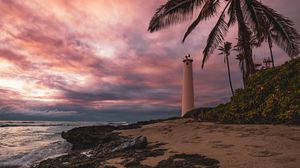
pixel 133 143
pixel 89 137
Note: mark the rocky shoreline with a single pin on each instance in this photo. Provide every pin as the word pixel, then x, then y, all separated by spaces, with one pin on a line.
pixel 180 143
pixel 101 146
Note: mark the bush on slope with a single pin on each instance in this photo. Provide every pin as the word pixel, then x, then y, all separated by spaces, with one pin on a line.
pixel 270 96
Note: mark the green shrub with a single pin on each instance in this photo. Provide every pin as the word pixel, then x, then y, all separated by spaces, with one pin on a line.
pixel 270 96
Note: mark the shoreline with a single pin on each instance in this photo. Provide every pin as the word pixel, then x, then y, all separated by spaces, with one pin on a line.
pixel 180 142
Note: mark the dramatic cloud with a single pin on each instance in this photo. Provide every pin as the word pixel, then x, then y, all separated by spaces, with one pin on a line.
pixel 95 60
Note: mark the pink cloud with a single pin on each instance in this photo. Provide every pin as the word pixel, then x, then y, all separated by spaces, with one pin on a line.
pixel 98 55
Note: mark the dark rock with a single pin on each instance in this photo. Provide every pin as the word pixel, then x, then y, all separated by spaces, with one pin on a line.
pixel 109 166
pixel 89 137
pixel 133 143
pixel 188 161
pixel 134 149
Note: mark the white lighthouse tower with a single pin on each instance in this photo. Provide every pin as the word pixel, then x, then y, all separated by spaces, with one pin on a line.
pixel 188 86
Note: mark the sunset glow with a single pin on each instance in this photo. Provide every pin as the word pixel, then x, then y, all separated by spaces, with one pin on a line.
pixel 94 58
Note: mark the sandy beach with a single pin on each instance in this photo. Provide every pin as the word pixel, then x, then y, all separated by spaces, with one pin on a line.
pixel 239 146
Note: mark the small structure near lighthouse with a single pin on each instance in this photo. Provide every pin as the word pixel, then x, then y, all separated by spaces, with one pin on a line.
pixel 188 86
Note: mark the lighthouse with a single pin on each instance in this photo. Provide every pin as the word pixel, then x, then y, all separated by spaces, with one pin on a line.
pixel 187 86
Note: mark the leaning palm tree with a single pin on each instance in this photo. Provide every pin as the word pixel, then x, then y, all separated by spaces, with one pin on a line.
pixel 225 50
pixel 251 16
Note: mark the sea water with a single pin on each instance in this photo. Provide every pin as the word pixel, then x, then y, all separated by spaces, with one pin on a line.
pixel 23 143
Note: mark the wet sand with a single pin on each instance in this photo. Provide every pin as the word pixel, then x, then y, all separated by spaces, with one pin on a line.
pixel 240 146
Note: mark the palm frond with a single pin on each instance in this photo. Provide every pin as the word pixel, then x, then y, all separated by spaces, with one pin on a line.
pixel 215 37
pixel 222 49
pixel 255 41
pixel 241 43
pixel 173 12
pixel 254 16
pixel 209 10
pixel 286 36
pixel 232 13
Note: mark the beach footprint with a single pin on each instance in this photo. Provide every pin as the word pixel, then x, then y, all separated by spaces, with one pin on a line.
pixel 286 159
pixel 243 135
pixel 294 138
pixel 264 153
pixel 220 144
pixel 214 142
pixel 223 146
pixel 254 146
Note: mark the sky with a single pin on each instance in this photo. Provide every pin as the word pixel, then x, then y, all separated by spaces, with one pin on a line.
pixel 94 60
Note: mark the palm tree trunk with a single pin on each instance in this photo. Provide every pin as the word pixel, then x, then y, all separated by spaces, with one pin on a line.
pixel 244 39
pixel 229 75
pixel 271 52
pixel 243 72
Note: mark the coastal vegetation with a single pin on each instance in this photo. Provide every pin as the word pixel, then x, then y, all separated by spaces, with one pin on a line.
pixel 270 96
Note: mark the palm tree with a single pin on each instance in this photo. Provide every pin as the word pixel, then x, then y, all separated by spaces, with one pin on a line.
pixel 254 42
pixel 270 43
pixel 268 36
pixel 251 16
pixel 241 60
pixel 225 50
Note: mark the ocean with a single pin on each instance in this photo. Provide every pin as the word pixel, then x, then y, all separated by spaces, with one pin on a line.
pixel 24 143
